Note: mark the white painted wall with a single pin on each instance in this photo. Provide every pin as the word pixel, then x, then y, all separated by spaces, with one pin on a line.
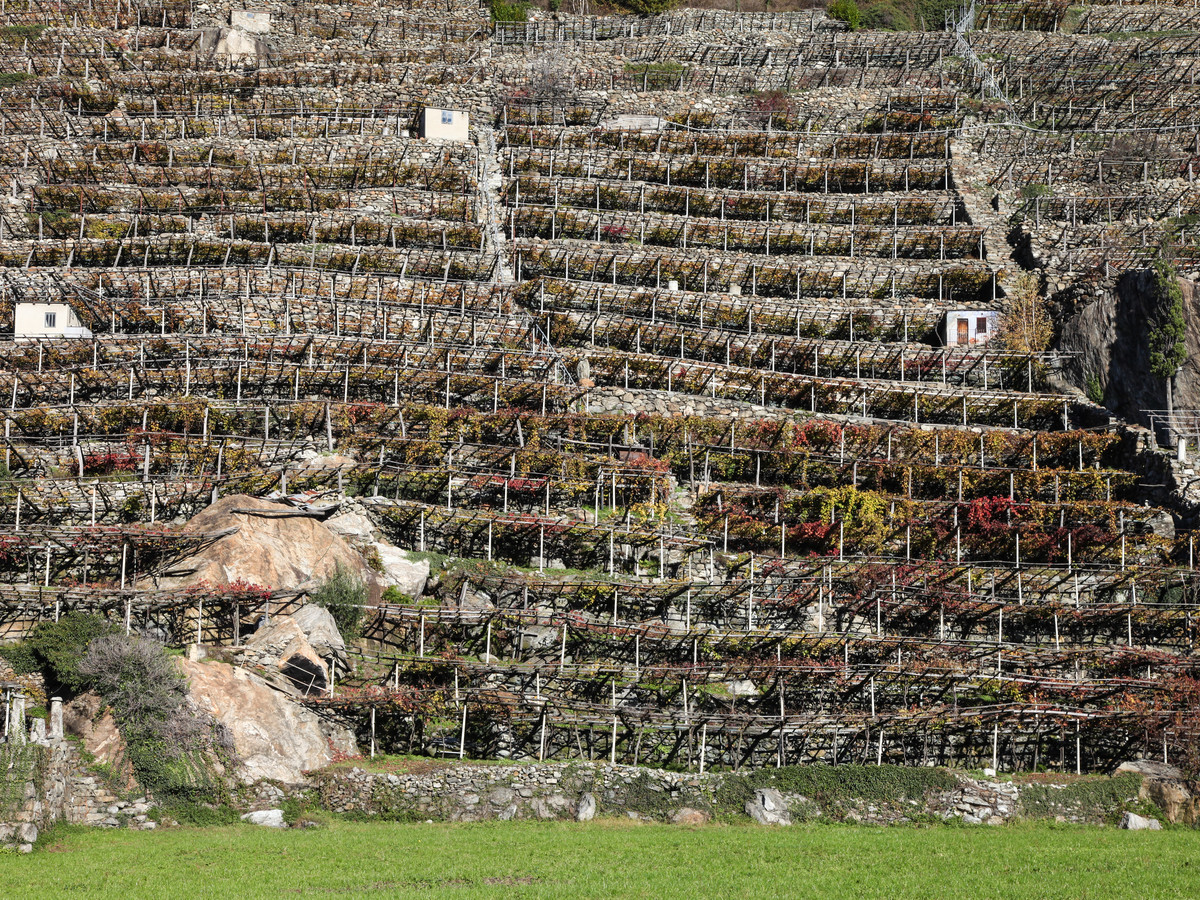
pixel 981 326
pixel 47 320
pixel 445 124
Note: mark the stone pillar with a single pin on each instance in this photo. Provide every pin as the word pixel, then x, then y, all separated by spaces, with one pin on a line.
pixel 56 720
pixel 16 719
pixel 1181 450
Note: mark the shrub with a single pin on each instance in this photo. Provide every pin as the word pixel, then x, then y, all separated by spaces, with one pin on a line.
pixel 169 745
pixel 344 594
pixel 199 815
pixel 886 17
pixel 509 12
pixel 1093 388
pixel 57 648
pixel 1166 329
pixel 1030 191
pixel 649 7
pixel 1025 326
pixel 845 11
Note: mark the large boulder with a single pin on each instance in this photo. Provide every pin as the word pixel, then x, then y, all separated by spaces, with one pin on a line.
pixel 269 818
pixel 768 807
pixel 282 647
pixel 1134 822
pixel 238 45
pixel 408 575
pixel 1165 786
pixel 87 719
pixel 322 633
pixel 353 526
pixel 274 546
pixel 274 737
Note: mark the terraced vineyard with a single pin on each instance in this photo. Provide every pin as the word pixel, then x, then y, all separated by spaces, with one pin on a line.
pixel 654 365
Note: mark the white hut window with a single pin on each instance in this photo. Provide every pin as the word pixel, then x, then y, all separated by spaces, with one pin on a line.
pixel 51 319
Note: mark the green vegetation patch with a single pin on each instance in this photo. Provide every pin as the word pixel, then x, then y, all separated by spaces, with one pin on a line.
pixel 57 648
pixel 1097 799
pixel 610 859
pixel 344 594
pixel 830 786
pixel 665 67
pixel 19 763
pixel 893 15
pixel 18 34
pixel 509 12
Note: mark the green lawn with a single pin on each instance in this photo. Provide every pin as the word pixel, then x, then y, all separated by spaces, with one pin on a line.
pixel 610 859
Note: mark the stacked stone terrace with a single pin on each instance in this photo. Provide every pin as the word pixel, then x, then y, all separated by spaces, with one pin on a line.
pixel 672 320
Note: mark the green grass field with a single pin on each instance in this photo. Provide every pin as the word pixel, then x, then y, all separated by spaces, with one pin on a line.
pixel 607 860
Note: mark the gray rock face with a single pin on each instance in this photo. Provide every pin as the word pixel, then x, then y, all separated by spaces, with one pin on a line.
pixel 282 646
pixel 1151 768
pixel 743 688
pixel 406 574
pixel 586 811
pixel 268 818
pixel 274 737
pixel 322 633
pixel 768 808
pixel 353 526
pixel 1133 822
pixel 272 546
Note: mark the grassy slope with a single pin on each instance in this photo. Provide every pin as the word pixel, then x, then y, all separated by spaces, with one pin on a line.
pixel 611 859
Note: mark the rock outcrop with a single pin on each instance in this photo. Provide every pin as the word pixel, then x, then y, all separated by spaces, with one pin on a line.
pixel 86 718
pixel 289 662
pixel 274 546
pixel 398 569
pixel 768 808
pixel 322 633
pixel 273 736
pixel 1165 787
pixel 1108 336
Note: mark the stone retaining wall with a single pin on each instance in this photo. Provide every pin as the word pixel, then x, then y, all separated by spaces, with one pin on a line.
pixel 580 790
pixel 59 787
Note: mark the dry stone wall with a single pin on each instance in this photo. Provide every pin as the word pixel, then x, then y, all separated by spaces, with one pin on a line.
pixel 583 790
pixel 55 784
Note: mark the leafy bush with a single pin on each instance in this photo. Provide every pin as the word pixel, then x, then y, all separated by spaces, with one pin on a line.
pixel 886 17
pixel 18 34
pixel 170 746
pixel 648 7
pixel 344 594
pixel 21 657
pixel 509 12
pixel 1095 392
pixel 57 648
pixel 1166 329
pixel 931 14
pixel 845 11
pixel 1091 798
pixel 1026 326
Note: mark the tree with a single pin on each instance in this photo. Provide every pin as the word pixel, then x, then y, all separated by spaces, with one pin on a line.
pixel 1025 326
pixel 1166 331
pixel 845 11
pixel 344 594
